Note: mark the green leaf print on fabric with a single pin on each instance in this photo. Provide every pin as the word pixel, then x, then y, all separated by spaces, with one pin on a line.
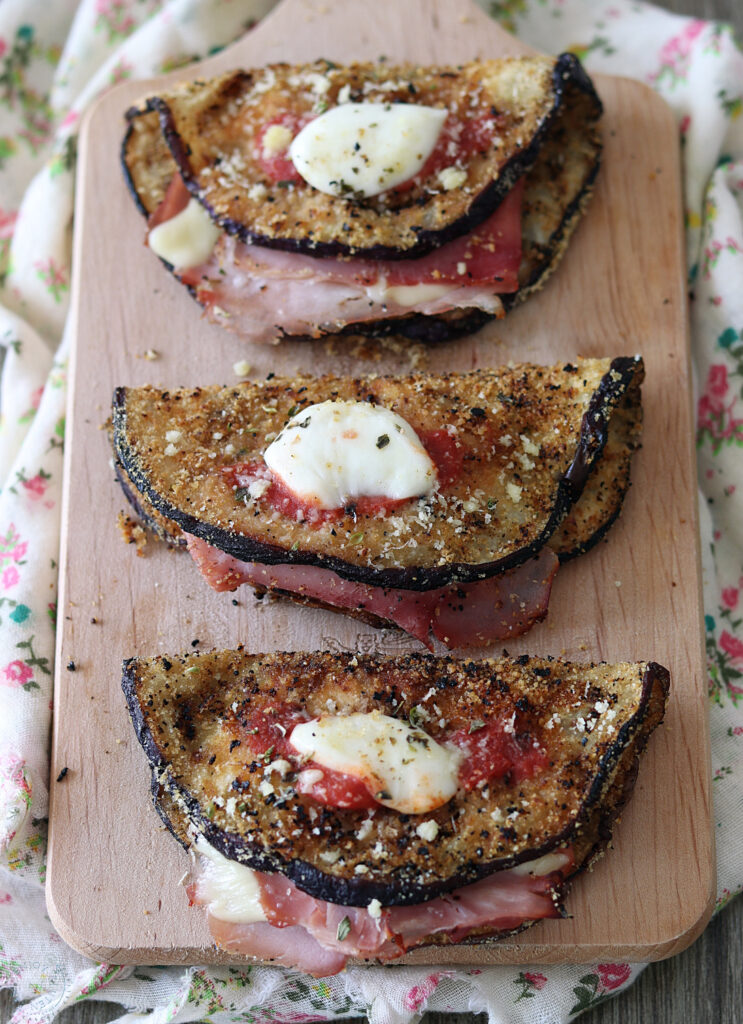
pixel 505 12
pixel 530 982
pixel 17 94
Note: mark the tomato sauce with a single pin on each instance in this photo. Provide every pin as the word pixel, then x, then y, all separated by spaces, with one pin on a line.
pixel 279 167
pixel 445 453
pixel 266 734
pixel 495 750
pixel 458 142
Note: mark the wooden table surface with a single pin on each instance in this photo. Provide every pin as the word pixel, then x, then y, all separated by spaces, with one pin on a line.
pixel 703 984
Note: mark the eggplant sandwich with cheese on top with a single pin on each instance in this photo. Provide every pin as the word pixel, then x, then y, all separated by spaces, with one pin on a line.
pixel 318 199
pixel 441 504
pixel 342 806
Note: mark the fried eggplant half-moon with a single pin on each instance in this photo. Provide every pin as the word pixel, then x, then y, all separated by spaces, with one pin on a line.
pixel 422 799
pixel 499 175
pixel 526 465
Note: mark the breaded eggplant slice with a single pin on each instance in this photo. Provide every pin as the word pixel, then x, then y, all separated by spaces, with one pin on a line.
pixel 210 130
pixel 191 716
pixel 528 440
pixel 546 112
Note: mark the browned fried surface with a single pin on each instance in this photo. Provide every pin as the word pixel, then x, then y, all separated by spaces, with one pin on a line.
pixel 517 429
pixel 212 127
pixel 601 501
pixel 592 720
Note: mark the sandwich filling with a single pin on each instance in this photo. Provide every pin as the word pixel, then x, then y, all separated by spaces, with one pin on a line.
pixel 265 915
pixel 459 615
pixel 256 288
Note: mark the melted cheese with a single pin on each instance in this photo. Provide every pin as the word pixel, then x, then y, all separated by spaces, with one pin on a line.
pixel 187 239
pixel 229 889
pixel 362 149
pixel 406 294
pixel 543 865
pixel 331 453
pixel 403 767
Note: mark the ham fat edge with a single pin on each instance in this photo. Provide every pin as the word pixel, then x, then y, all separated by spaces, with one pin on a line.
pixel 533 466
pixel 551 752
pixel 516 125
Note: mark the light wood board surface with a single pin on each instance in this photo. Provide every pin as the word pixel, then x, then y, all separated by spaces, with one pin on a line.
pixel 113 872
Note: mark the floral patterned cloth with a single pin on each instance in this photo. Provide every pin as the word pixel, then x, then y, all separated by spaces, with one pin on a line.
pixel 54 59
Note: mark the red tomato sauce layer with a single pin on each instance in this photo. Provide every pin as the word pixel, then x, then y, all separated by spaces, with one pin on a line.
pixel 492 751
pixel 445 453
pixel 279 166
pixel 267 733
pixel 495 750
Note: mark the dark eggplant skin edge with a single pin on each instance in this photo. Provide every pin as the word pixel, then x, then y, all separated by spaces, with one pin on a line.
pixel 591 441
pixel 567 71
pixel 399 891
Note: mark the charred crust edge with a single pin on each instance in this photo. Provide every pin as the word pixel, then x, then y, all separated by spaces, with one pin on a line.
pixel 401 890
pixel 591 441
pixel 567 71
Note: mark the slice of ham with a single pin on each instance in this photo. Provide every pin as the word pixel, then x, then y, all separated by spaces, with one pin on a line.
pixel 290 947
pixel 265 293
pixel 303 932
pixel 462 615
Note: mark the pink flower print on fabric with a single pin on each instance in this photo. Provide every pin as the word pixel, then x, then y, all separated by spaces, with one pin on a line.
pixel 19 551
pixel 717 380
pixel 613 975
pixel 674 54
pixel 15 797
pixel 9 577
pixel 715 415
pixel 35 487
pixel 730 597
pixel 15 674
pixel 416 997
pixel 536 980
pixel 731 645
pixel 7 220
pixel 114 15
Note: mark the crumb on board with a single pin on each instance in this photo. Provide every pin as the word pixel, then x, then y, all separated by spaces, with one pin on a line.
pixel 132 532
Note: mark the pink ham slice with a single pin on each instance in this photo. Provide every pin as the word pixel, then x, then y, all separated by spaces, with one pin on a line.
pixel 264 305
pixel 302 931
pixel 463 615
pixel 290 947
pixel 264 293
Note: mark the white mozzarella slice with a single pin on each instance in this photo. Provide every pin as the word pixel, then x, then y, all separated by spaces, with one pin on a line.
pixel 403 767
pixel 331 453
pixel 366 148
pixel 545 865
pixel 229 889
pixel 187 239
pixel 406 295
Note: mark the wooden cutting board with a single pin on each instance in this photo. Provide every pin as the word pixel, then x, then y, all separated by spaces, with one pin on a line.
pixel 113 876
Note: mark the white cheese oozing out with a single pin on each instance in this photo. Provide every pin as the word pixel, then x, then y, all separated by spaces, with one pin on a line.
pixel 331 453
pixel 187 239
pixel 403 767
pixel 229 889
pixel 366 148
pixel 406 294
pixel 543 865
